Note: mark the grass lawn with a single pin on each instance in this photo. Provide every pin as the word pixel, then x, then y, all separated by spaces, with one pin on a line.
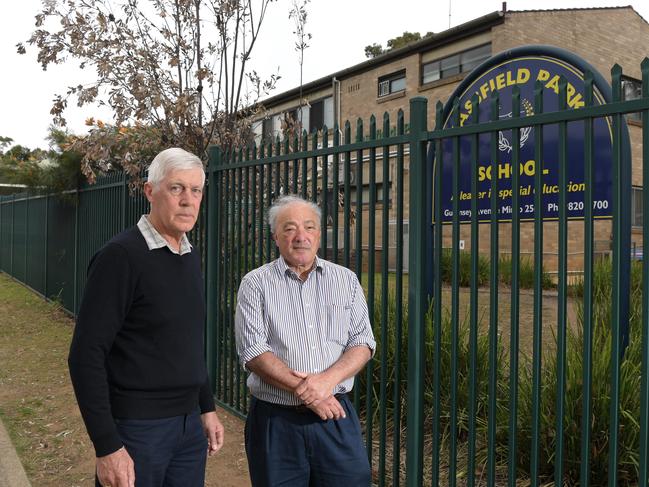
pixel 37 404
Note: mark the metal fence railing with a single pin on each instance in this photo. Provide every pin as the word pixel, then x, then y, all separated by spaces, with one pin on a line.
pixel 474 384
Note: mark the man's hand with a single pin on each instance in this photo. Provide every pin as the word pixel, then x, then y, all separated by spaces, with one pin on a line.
pixel 329 408
pixel 313 387
pixel 116 469
pixel 214 432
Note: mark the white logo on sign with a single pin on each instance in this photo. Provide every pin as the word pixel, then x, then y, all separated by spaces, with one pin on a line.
pixel 503 143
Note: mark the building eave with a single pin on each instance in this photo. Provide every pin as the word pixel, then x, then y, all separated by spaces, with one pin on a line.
pixel 453 34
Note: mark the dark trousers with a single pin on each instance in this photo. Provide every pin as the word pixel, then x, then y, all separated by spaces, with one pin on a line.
pixel 168 452
pixel 294 447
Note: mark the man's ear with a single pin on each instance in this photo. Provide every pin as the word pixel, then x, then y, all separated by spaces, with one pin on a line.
pixel 148 191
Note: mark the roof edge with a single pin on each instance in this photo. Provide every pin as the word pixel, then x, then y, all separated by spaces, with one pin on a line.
pixel 462 30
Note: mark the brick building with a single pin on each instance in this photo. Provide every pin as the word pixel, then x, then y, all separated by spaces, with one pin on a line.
pixel 433 68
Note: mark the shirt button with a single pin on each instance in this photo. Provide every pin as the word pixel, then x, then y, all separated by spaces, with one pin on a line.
pixel 313 347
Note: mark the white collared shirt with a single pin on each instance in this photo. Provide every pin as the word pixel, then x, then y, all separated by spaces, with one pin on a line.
pixel 307 324
pixel 154 240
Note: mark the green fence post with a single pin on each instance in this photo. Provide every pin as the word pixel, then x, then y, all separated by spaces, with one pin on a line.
pixel 212 251
pixel 417 304
pixel 27 200
pixel 13 234
pixel 46 243
pixel 75 255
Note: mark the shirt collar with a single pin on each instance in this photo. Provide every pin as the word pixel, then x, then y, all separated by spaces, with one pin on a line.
pixel 154 240
pixel 284 269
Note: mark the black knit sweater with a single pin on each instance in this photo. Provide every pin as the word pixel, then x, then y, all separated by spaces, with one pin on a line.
pixel 137 350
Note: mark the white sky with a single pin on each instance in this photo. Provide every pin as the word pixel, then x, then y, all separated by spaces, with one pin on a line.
pixel 340 31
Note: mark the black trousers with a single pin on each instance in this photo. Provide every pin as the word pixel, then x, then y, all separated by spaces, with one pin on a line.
pixel 294 447
pixel 168 452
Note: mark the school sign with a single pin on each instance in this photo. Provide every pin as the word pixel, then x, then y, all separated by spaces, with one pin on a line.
pixel 522 67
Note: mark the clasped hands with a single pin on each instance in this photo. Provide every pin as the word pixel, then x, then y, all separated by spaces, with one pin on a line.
pixel 315 390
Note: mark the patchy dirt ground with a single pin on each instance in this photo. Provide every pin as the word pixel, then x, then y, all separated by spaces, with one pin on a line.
pixel 37 403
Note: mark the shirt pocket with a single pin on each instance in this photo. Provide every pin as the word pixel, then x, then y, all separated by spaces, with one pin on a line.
pixel 338 323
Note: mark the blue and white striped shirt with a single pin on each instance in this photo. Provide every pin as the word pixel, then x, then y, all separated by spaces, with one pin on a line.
pixel 307 324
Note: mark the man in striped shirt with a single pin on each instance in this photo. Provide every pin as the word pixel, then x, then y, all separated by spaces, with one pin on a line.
pixel 303 332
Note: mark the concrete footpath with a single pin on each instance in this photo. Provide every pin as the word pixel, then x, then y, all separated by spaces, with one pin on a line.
pixel 12 473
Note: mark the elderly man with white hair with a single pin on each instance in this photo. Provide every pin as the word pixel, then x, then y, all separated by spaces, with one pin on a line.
pixel 303 332
pixel 137 355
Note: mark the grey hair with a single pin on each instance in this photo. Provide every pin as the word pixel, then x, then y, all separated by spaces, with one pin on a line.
pixel 172 159
pixel 284 201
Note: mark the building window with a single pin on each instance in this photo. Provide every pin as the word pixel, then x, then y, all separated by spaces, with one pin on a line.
pixel 393 83
pixel 321 114
pixel 268 130
pixel 455 64
pixel 631 90
pixel 366 194
pixel 636 207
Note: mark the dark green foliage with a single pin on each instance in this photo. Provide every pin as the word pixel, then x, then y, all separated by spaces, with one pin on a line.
pixel 526 271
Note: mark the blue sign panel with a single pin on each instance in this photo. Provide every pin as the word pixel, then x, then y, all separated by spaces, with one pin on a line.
pixel 522 67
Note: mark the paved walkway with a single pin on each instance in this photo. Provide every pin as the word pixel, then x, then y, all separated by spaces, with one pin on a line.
pixel 12 473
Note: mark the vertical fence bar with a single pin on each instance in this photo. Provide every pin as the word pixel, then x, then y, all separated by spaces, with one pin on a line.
pixel 493 301
pixel 46 243
pixel 515 262
pixel 213 267
pixel 335 210
pixel 358 255
pixel 269 195
pixel 26 275
pixel 305 145
pixel 230 199
pixel 588 288
pixel 437 294
pixel 538 290
pixel 248 222
pixel 562 287
pixel 644 391
pixel 618 257
pixel 473 336
pixel 371 275
pixel 75 255
pixel 416 293
pixel 262 212
pixel 455 297
pixel 238 274
pixel 347 206
pixel 325 190
pixel 384 304
pixel 314 168
pixel 396 440
pixel 296 164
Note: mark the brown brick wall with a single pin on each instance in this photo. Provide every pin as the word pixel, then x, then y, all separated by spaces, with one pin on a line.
pixel 602 37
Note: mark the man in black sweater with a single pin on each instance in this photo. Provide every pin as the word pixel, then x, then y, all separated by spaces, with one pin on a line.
pixel 137 358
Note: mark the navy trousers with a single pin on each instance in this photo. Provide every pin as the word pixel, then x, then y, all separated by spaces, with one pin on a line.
pixel 292 447
pixel 168 452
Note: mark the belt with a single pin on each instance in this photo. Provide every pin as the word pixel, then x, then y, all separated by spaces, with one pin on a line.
pixel 302 408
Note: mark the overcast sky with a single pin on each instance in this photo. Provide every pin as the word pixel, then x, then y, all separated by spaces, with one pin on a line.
pixel 340 31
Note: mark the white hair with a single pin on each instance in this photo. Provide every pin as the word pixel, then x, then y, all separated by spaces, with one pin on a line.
pixel 284 201
pixel 172 159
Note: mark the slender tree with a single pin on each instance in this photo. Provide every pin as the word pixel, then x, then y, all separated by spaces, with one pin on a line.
pixel 174 72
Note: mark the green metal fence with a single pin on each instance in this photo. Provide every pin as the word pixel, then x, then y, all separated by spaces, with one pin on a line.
pixel 452 396
pixel 47 241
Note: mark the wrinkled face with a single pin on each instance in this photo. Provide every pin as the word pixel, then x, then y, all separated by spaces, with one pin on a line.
pixel 297 234
pixel 175 201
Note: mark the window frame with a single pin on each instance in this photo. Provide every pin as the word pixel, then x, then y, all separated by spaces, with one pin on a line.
pixel 635 116
pixel 460 64
pixel 388 80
